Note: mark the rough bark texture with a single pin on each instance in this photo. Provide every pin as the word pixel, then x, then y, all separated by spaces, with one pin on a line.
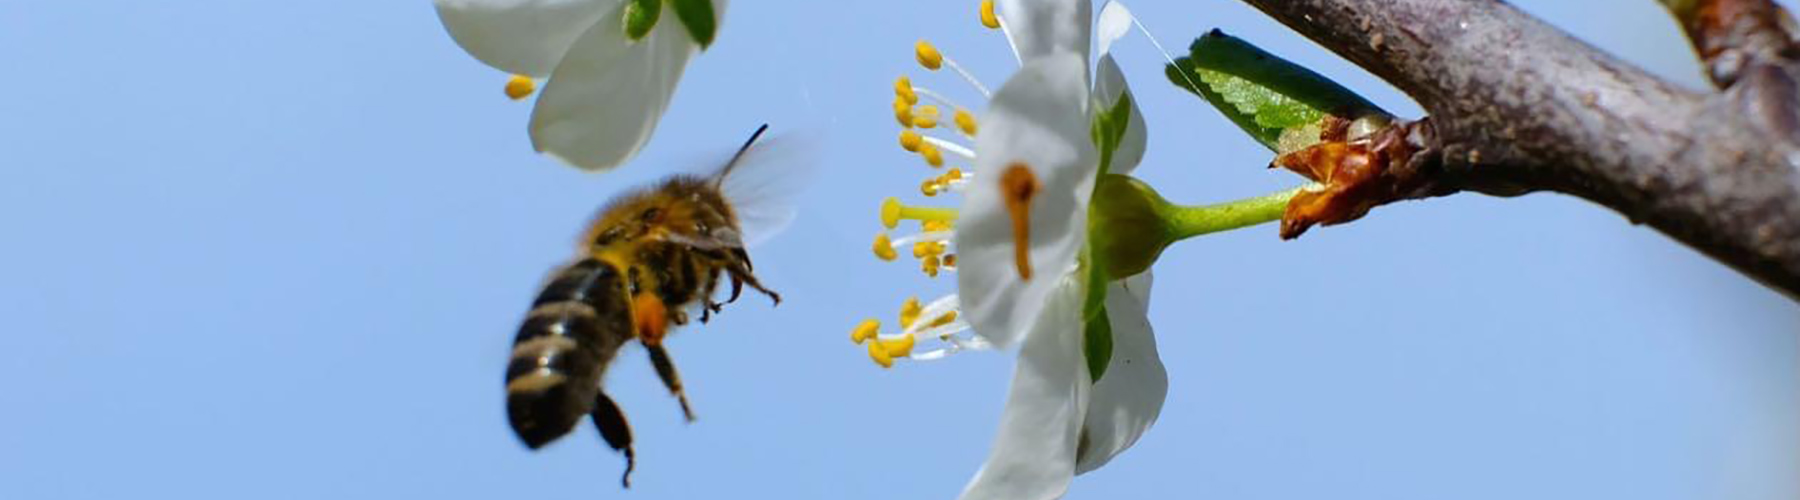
pixel 1516 105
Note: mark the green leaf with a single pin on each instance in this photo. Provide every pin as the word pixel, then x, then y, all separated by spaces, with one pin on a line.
pixel 1263 94
pixel 640 17
pixel 698 17
pixel 1097 343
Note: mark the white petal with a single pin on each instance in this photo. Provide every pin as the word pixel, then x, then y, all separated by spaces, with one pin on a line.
pixel 604 100
pixel 1109 84
pixel 520 36
pixel 1037 119
pixel 1034 454
pixel 1130 394
pixel 1042 27
pixel 1115 20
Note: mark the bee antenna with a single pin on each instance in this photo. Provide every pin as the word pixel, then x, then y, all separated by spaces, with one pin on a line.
pixel 740 153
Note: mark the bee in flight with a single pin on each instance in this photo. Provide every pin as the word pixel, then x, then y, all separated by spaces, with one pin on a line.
pixel 647 259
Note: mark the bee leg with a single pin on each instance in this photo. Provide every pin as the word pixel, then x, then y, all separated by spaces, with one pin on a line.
pixel 709 309
pixel 737 287
pixel 741 273
pixel 707 306
pixel 617 432
pixel 665 369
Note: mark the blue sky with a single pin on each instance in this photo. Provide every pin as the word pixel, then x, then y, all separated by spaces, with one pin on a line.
pixel 279 249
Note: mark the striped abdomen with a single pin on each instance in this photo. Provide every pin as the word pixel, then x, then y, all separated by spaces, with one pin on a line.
pixel 576 325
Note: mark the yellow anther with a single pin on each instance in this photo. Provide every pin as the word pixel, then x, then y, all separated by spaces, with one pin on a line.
pixel 904 90
pixel 892 212
pixel 910 140
pixel 965 121
pixel 923 249
pixel 942 320
pixel 939 247
pixel 898 348
pixel 955 174
pixel 928 55
pixel 909 312
pixel 884 248
pixel 865 331
pixel 903 112
pixel 932 226
pixel 520 86
pixel 879 353
pixel 931 187
pixel 925 116
pixel 932 155
pixel 950 261
pixel 988 18
pixel 930 265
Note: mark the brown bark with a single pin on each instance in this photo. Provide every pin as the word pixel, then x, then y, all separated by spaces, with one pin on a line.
pixel 1516 106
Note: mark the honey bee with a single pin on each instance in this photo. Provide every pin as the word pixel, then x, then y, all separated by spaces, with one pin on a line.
pixel 649 257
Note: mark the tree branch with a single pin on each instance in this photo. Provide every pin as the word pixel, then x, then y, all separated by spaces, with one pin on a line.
pixel 1516 106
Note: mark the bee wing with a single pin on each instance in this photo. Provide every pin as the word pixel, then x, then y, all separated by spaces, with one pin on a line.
pixel 764 182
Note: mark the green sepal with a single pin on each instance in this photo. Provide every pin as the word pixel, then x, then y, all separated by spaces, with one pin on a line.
pixel 1127 225
pixel 640 17
pixel 1107 131
pixel 699 19
pixel 1263 94
pixel 1097 342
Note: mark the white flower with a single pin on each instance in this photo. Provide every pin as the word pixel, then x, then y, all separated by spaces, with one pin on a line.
pixel 1018 240
pixel 605 91
pixel 1025 214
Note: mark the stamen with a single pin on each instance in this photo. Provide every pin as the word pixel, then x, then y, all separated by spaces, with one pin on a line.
pixel 931 59
pixel 923 249
pixel 965 122
pixel 947 304
pixel 930 265
pixel 904 90
pixel 950 261
pixel 909 140
pixel 931 187
pixel 985 94
pixel 1017 186
pixel 933 156
pixel 883 351
pixel 988 18
pixel 938 237
pixel 884 249
pixel 947 145
pixel 903 112
pixel 933 226
pixel 520 86
pixel 909 312
pixel 880 354
pixel 865 331
pixel 928 55
pixel 929 94
pixel 925 116
pixel 946 319
pixel 900 347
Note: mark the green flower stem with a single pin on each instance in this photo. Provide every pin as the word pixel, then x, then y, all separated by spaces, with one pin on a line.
pixel 1190 221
